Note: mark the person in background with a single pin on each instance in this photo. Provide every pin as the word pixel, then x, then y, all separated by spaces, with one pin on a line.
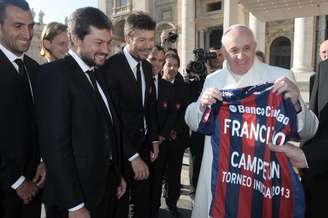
pixel 166 121
pixel 323 53
pixel 260 55
pixel 21 173
pixel 178 139
pixel 54 41
pixel 215 63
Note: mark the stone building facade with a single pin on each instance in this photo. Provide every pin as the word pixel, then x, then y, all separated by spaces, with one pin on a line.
pixel 291 43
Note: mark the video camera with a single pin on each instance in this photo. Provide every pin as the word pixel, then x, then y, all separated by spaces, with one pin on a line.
pixel 198 66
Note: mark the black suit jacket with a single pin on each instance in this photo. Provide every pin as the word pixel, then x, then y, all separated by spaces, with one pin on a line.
pixel 181 101
pixel 19 150
pixel 315 179
pixel 74 137
pixel 123 85
pixel 165 107
pixel 311 82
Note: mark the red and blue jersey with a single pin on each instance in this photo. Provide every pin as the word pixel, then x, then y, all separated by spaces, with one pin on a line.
pixel 249 180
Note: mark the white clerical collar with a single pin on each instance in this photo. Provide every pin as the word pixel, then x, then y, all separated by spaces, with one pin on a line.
pixel 84 67
pixel 10 55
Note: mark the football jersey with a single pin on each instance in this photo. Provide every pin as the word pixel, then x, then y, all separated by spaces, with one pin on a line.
pixel 249 180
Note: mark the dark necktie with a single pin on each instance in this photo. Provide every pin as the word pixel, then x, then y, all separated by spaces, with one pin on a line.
pixel 22 71
pixel 101 103
pixel 139 82
pixel 92 76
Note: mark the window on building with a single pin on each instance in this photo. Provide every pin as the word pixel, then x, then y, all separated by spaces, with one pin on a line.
pixel 215 37
pixel 214 6
pixel 280 52
pixel 120 3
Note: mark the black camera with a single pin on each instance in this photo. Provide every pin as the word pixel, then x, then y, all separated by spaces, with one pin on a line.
pixel 172 37
pixel 198 66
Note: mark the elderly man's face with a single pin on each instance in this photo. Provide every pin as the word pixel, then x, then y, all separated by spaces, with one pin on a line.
pixel 240 50
pixel 324 50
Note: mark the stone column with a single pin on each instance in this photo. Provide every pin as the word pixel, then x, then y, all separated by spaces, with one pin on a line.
pixel 187 31
pixel 141 5
pixel 303 54
pixel 258 28
pixel 234 13
pixel 303 45
pixel 201 38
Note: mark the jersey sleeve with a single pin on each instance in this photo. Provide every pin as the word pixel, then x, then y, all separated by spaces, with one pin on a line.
pixel 207 123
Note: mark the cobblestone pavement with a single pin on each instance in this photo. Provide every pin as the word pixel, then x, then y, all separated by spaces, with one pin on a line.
pixel 184 203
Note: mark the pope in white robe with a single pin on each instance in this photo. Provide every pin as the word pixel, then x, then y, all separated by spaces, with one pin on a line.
pixel 256 73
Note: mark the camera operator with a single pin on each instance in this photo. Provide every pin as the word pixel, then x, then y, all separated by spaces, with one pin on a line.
pixel 215 63
pixel 205 63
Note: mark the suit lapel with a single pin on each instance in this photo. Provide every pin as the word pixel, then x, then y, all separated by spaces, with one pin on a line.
pixel 80 78
pixel 7 68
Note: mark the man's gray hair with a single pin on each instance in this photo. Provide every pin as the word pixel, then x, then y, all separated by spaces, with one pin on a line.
pixel 237 27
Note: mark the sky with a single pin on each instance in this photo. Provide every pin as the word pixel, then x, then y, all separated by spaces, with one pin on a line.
pixel 57 10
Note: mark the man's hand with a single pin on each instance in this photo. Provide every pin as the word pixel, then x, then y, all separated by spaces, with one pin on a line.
pixel 140 169
pixel 154 153
pixel 208 97
pixel 173 135
pixel 295 154
pixel 288 89
pixel 26 191
pixel 40 175
pixel 80 213
pixel 121 189
pixel 161 139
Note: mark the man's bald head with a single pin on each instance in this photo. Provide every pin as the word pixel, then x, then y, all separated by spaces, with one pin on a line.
pixel 239 48
pixel 237 28
pixel 324 50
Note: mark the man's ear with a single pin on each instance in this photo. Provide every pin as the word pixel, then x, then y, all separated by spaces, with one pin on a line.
pixel 127 39
pixel 46 44
pixel 74 39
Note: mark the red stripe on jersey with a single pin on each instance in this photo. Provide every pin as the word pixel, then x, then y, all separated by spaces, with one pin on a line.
pixel 223 165
pixel 245 193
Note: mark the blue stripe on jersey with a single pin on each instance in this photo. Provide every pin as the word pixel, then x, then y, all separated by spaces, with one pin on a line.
pixel 299 209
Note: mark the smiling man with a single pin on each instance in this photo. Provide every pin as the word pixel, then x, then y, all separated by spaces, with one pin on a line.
pixel 19 150
pixel 129 76
pixel 79 128
pixel 242 69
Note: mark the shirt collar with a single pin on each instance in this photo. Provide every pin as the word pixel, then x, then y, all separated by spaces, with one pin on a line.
pixel 10 55
pixel 84 67
pixel 132 62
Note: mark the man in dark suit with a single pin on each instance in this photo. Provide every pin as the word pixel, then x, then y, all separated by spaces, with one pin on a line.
pixel 323 53
pixel 21 174
pixel 166 120
pixel 313 156
pixel 79 127
pixel 179 136
pixel 129 76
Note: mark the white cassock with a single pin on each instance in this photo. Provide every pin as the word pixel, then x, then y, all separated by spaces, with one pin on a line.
pixel 223 79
